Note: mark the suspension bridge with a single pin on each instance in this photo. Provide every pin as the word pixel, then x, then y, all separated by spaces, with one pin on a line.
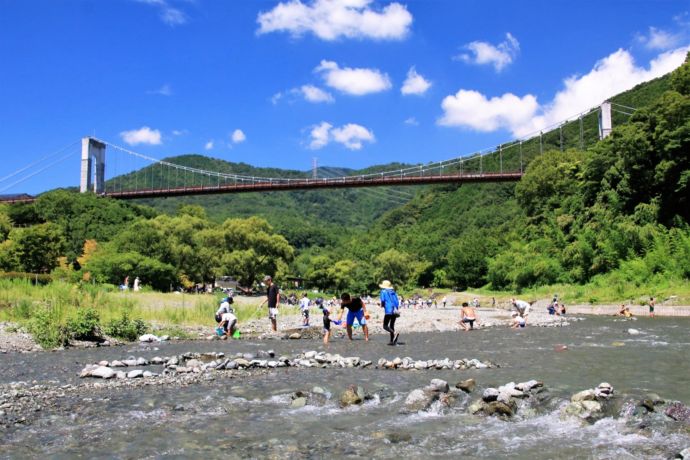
pixel 133 175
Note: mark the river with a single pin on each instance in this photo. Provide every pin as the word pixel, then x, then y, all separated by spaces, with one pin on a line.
pixel 252 417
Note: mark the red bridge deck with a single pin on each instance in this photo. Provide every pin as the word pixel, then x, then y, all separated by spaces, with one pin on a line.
pixel 305 184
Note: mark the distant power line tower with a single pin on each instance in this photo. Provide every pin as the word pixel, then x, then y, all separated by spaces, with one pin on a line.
pixel 314 168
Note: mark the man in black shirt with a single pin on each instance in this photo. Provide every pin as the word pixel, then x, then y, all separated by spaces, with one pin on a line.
pixel 273 299
pixel 356 309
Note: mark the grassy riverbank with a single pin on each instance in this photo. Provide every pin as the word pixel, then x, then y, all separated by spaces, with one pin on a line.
pixel 57 311
pixel 606 290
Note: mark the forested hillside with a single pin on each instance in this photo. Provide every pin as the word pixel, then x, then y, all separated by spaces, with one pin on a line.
pixel 585 209
pixel 306 219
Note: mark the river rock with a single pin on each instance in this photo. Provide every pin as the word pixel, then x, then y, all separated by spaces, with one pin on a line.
pixel 103 363
pixel 476 407
pixel 421 365
pixel 585 395
pixel 678 412
pixel 350 397
pixel 684 454
pixel 604 390
pixel 194 363
pixel 241 362
pixel 490 394
pixel 298 402
pixel 149 338
pixel 142 362
pixel 318 390
pixel 498 408
pixel 438 385
pixel 527 386
pixel 121 375
pixel 131 362
pixel 135 374
pixel 419 400
pixel 295 336
pixel 86 372
pixel 117 363
pixel 632 331
pixel 591 406
pixel 466 385
pixel 149 374
pixel 157 360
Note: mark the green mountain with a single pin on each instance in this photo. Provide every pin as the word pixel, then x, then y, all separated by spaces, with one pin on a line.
pixel 305 218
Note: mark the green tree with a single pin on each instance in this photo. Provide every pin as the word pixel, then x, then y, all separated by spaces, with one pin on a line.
pixel 112 267
pixel 252 248
pixel 37 248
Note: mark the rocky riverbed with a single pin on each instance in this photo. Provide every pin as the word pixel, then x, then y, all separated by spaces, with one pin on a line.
pixel 591 389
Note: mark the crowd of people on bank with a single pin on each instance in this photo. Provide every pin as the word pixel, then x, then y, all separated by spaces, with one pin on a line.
pixel 358 311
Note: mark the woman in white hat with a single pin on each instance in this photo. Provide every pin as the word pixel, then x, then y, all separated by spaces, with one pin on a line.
pixel 390 304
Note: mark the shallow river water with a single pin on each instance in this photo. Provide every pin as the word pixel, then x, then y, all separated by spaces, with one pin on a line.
pixel 251 417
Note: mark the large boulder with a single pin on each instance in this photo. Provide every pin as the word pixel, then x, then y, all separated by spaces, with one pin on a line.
pixel 350 397
pixel 498 408
pixel 419 400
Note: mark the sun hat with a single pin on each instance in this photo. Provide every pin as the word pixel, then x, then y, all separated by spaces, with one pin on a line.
pixel 267 277
pixel 385 284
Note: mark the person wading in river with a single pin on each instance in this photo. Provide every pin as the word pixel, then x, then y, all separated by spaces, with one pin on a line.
pixel 355 311
pixel 390 304
pixel 273 299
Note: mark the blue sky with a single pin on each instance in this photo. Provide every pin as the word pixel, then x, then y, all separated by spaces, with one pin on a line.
pixel 352 82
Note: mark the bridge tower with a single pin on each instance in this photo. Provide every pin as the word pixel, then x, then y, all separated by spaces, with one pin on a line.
pixel 605 125
pixel 92 166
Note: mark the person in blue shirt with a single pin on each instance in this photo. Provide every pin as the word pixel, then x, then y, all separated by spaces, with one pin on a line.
pixel 390 304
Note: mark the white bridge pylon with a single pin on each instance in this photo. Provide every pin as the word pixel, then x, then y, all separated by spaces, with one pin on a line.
pixel 92 166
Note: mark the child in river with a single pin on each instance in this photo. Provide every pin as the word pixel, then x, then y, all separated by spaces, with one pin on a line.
pixel 327 323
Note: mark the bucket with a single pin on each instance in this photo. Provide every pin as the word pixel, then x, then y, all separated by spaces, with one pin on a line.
pixel 236 335
pixel 220 331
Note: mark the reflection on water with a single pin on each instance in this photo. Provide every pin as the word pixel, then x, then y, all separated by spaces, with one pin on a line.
pixel 253 418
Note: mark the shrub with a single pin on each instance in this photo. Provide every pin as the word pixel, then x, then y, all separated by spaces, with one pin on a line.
pixel 126 328
pixel 45 330
pixel 84 325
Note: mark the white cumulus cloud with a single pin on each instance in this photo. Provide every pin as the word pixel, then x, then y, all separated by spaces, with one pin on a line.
pixel 333 19
pixel 525 115
pixel 320 135
pixel 483 53
pixel 208 145
pixel 351 135
pixel 473 110
pixel 415 83
pixel 238 136
pixel 143 135
pixel 412 121
pixel 356 82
